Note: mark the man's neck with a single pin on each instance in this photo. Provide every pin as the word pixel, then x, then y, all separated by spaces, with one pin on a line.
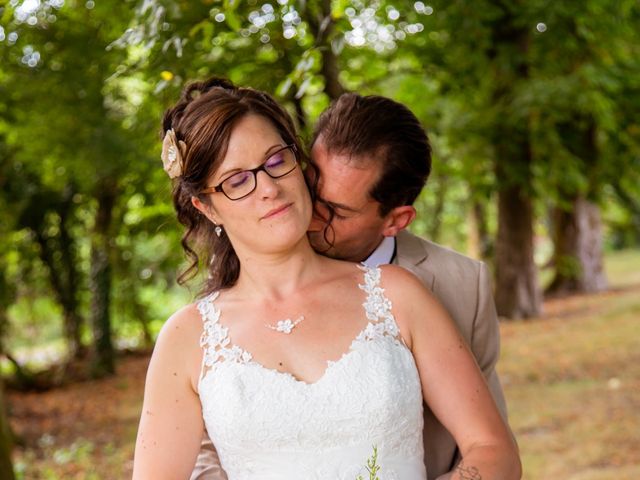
pixel 383 253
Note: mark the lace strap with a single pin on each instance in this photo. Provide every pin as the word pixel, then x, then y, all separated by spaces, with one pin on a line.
pixel 377 306
pixel 215 337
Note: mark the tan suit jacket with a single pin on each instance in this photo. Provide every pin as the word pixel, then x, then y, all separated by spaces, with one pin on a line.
pixel 463 286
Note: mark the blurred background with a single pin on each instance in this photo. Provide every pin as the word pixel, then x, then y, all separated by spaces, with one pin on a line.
pixel 532 108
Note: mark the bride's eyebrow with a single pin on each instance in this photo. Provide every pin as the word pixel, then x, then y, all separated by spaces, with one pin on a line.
pixel 232 171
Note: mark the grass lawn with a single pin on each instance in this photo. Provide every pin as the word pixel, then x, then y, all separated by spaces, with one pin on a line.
pixel 572 382
pixel 571 378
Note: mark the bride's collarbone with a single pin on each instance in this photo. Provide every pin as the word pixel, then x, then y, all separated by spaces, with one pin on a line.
pixel 324 335
pixel 320 307
pixel 323 322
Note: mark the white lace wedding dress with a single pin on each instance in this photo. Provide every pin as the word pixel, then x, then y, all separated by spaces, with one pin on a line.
pixel 267 425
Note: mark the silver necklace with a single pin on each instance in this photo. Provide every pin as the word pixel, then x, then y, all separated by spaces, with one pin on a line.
pixel 285 326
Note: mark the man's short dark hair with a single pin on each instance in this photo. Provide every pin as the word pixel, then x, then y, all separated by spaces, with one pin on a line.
pixel 386 132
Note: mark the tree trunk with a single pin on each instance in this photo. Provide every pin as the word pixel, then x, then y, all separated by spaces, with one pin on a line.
pixel 63 273
pixel 6 442
pixel 100 284
pixel 73 319
pixel 301 116
pixel 321 25
pixel 61 289
pixel 6 436
pixel 435 225
pixel 7 293
pixel 330 71
pixel 480 243
pixel 578 255
pixel 142 313
pixel 578 229
pixel 517 292
pixel 57 253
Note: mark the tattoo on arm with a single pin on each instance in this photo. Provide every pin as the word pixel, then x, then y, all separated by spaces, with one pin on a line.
pixel 467 473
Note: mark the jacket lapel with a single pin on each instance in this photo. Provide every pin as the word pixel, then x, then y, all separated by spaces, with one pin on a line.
pixel 411 253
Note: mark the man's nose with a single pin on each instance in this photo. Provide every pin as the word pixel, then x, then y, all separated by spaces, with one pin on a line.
pixel 320 217
pixel 317 224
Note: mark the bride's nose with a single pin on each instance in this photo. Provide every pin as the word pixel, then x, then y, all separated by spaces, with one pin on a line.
pixel 267 187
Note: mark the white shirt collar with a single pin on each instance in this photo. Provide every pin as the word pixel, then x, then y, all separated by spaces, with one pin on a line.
pixel 383 254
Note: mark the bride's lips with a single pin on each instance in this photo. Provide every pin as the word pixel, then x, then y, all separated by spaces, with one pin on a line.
pixel 277 211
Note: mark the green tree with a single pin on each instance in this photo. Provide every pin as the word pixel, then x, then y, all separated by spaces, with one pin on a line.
pixel 6 294
pixel 79 149
pixel 578 89
pixel 6 441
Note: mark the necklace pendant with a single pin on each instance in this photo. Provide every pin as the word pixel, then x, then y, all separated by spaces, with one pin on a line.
pixel 285 326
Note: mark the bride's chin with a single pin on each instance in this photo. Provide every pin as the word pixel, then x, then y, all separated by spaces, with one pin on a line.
pixel 279 241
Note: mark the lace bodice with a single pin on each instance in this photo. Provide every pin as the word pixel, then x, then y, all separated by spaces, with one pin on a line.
pixel 268 425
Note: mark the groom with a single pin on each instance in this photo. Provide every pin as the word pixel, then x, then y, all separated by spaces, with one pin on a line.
pixel 370 160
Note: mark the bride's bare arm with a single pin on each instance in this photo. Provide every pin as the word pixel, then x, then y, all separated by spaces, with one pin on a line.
pixel 452 383
pixel 171 424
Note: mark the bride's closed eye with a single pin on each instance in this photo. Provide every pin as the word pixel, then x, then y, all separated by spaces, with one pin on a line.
pixel 239 179
pixel 275 160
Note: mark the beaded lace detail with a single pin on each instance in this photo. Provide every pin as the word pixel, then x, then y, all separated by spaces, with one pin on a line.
pixel 268 425
pixel 377 308
pixel 215 337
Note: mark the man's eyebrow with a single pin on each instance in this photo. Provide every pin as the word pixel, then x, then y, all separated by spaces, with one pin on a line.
pixel 336 206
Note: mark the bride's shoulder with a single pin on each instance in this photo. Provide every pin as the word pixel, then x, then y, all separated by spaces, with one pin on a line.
pixel 411 299
pixel 398 279
pixel 182 327
pixel 177 351
pixel 335 271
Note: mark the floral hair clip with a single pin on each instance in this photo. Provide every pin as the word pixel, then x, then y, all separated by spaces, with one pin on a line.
pixel 173 153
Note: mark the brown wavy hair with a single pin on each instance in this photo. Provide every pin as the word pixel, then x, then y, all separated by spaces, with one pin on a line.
pixel 204 119
pixel 381 131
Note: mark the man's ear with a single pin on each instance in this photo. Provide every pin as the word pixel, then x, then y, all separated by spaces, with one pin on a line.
pixel 398 219
pixel 206 209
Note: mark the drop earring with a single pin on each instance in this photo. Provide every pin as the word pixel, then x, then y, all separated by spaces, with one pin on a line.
pixel 218 230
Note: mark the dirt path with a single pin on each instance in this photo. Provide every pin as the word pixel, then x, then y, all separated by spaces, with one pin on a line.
pixel 81 431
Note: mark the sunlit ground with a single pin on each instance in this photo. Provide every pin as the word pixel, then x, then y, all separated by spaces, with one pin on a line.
pixel 573 386
pixel 572 381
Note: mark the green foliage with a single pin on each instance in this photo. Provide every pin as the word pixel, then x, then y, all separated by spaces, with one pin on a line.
pixel 83 86
pixel 568 266
pixel 96 131
pixel 372 466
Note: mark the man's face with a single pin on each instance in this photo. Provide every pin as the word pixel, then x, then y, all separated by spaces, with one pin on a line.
pixel 356 228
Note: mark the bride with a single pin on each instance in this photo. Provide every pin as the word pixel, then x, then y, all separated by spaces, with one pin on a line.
pixel 296 364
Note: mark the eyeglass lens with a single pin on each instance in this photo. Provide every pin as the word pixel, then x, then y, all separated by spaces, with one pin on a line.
pixel 243 183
